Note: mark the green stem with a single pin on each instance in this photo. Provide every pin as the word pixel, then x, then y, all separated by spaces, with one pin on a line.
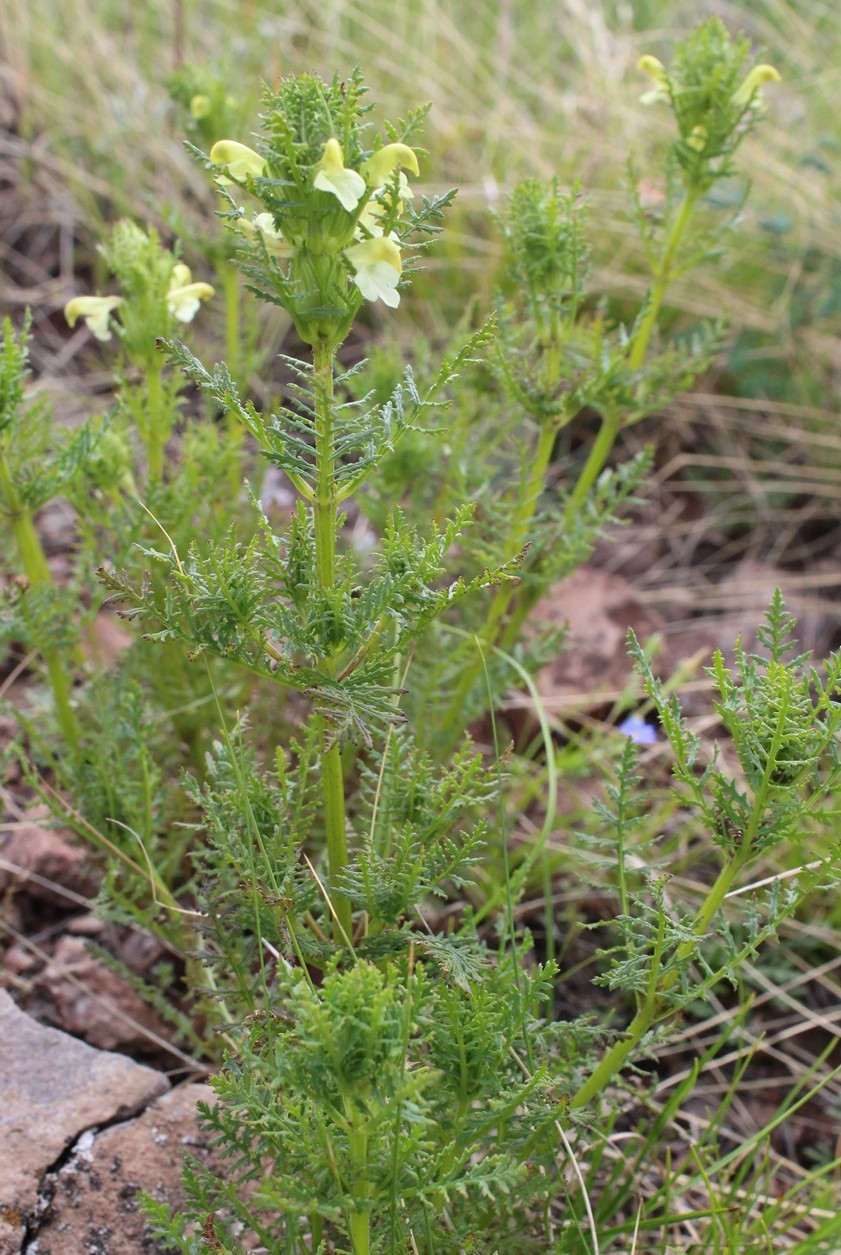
pixel 506 593
pixel 651 1010
pixel 599 453
pixel 324 520
pixel 316 1232
pixel 156 426
pixel 662 279
pixel 611 421
pixel 233 356
pixel 233 345
pixel 38 572
pixel 359 1222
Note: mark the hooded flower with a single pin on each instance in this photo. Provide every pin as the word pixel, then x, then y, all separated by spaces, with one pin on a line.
pixel 263 227
pixel 381 165
pixel 656 71
pixel 331 176
pixel 749 93
pixel 184 296
pixel 378 269
pixel 95 310
pixel 239 159
pixel 369 219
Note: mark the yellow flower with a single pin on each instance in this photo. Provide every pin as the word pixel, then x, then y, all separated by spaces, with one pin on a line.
pixel 331 176
pixel 369 219
pixel 184 296
pixel 382 164
pixel 95 310
pixel 263 227
pixel 749 92
pixel 656 71
pixel 239 159
pixel 378 269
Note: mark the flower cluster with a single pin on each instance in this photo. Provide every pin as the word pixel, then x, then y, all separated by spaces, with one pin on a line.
pixel 183 298
pixel 373 256
pixel 328 230
pixel 715 96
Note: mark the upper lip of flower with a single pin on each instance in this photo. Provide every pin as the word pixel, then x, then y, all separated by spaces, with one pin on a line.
pixel 753 82
pixel 240 160
pixel 382 163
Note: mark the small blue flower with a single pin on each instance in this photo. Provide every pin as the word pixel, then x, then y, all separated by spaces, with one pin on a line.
pixel 640 732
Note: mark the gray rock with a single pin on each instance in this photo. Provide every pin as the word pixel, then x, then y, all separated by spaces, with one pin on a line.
pixel 92 1200
pixel 52 1089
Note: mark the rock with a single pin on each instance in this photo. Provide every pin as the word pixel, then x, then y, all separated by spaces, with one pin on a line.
pixel 52 1088
pixel 45 863
pixel 97 1003
pixel 92 1206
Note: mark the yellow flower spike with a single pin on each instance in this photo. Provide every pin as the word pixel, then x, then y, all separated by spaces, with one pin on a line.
pixel 331 176
pixel 656 71
pixel 749 92
pixel 378 269
pixel 95 310
pixel 381 164
pixel 239 158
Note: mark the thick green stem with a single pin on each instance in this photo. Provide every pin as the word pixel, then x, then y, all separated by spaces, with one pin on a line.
pixel 37 571
pixel 324 519
pixel 316 1231
pixel 662 279
pixel 359 1222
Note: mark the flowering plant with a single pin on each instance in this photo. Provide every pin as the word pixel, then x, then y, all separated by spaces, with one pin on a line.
pixel 334 204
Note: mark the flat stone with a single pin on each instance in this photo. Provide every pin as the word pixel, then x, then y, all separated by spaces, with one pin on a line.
pixel 52 1088
pixel 93 1207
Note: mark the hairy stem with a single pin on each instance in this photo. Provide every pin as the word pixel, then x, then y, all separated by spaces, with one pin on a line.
pixel 324 518
pixel 507 593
